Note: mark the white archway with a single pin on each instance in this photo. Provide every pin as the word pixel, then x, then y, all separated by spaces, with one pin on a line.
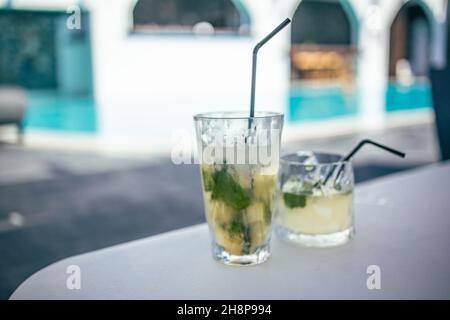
pixel 311 32
pixel 435 14
pixel 324 38
pixel 223 16
pixel 410 36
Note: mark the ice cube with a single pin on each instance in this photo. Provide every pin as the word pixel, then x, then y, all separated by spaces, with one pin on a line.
pixel 325 190
pixel 293 185
pixel 307 158
pixel 311 160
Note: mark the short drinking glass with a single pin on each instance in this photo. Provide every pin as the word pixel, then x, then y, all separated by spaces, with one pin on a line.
pixel 315 199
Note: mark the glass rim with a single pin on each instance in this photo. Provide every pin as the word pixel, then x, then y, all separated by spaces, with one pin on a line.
pixel 320 164
pixel 234 115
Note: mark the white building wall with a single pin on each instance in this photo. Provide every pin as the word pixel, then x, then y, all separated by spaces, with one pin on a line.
pixel 373 47
pixel 135 75
pixel 373 62
pixel 148 86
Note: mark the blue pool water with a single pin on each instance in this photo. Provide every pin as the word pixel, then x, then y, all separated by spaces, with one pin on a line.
pixel 313 103
pixel 49 110
pixel 308 103
pixel 417 96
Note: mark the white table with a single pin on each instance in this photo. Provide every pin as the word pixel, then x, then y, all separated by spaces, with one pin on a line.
pixel 403 226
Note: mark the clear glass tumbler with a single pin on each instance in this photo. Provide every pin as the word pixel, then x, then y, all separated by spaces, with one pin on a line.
pixel 239 161
pixel 315 199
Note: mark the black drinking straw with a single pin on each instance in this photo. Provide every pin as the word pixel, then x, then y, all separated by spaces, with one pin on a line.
pixel 255 55
pixel 350 155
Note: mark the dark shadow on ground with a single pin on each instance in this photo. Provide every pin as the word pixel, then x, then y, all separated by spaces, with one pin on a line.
pixel 71 214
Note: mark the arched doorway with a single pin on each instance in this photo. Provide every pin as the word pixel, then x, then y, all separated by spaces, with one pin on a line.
pixel 410 41
pixel 183 16
pixel 409 58
pixel 323 51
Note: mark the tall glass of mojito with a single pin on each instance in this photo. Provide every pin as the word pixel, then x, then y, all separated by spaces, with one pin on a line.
pixel 314 205
pixel 239 159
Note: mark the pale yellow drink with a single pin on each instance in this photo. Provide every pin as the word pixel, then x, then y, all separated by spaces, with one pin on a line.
pixel 314 202
pixel 317 213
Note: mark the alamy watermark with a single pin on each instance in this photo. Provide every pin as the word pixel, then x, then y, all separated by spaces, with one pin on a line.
pixel 73 281
pixel 262 149
pixel 74 19
pixel 374 280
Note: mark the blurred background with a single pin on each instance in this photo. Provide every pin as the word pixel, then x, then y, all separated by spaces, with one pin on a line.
pixel 94 93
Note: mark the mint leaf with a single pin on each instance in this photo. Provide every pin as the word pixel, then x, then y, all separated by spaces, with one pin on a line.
pixel 229 191
pixel 294 200
pixel 236 226
pixel 208 179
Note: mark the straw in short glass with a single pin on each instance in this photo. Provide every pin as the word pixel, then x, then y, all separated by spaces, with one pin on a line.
pixel 350 155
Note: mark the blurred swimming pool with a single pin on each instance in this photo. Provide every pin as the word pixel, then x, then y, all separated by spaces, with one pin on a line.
pixel 313 103
pixel 417 96
pixel 53 111
pixel 308 103
pixel 59 112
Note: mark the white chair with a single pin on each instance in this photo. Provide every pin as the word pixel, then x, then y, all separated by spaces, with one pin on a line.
pixel 13 102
